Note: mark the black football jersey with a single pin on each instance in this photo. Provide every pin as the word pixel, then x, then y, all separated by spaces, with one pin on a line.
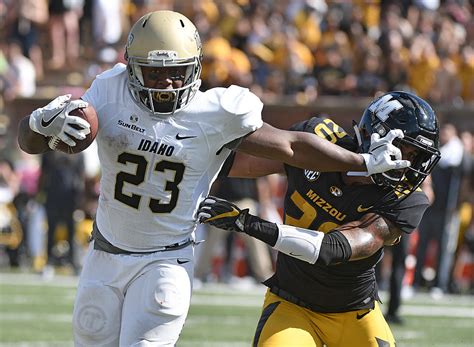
pixel 322 201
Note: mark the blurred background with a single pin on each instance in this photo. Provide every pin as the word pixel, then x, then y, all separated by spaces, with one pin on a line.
pixel 303 58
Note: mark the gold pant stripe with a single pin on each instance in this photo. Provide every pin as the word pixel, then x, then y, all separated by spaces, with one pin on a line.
pixel 267 311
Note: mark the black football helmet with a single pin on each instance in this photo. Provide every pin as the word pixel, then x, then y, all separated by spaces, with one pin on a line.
pixel 417 120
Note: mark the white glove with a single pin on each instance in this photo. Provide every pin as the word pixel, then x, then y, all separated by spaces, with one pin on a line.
pixel 54 120
pixel 379 159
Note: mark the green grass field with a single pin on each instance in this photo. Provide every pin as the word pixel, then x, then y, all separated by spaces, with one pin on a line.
pixel 36 313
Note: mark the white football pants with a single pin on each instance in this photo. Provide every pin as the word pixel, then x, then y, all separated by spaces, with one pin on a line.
pixel 125 300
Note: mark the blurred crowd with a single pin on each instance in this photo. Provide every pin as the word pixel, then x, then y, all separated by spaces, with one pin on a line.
pixel 298 48
pixel 295 50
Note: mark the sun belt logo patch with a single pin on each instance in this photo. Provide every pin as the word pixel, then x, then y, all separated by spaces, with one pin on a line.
pixel 312 175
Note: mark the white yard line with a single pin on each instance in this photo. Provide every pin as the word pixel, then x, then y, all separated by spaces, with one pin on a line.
pixel 50 317
pixel 436 311
pixel 27 279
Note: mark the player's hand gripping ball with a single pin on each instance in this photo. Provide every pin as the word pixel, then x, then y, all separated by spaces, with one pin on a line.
pixel 87 113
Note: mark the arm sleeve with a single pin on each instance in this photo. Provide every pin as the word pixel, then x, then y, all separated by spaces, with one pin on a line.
pixel 334 249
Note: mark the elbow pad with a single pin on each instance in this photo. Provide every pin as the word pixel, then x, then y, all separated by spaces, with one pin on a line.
pixel 299 243
pixel 311 246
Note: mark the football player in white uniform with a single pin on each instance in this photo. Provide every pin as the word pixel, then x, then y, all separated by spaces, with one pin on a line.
pixel 161 144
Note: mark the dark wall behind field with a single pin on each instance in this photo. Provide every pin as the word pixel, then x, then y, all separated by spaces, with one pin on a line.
pixel 345 109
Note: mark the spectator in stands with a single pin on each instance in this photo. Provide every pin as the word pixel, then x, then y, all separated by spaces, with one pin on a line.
pixel 437 222
pixel 370 79
pixel 424 62
pixel 466 217
pixel 62 184
pixel 107 23
pixel 396 57
pixel 29 17
pixel 466 72
pixel 11 233
pixel 64 32
pixel 397 275
pixel 19 79
pixel 254 194
pixel 9 181
pixel 334 76
pixel 30 211
pixel 446 87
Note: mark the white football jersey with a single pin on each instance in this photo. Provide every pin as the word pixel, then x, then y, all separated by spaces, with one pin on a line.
pixel 156 171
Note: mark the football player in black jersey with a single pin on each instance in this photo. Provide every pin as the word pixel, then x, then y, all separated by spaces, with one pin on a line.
pixel 336 225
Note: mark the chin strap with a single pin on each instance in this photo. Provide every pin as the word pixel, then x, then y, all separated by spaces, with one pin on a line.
pixel 359 143
pixel 357 133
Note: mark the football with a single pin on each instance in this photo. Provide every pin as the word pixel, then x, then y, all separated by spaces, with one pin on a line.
pixel 90 115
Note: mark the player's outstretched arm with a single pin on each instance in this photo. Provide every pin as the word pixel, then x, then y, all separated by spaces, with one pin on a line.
pixel 249 166
pixel 352 241
pixel 311 152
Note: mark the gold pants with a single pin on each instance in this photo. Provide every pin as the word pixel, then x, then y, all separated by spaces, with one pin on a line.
pixel 285 324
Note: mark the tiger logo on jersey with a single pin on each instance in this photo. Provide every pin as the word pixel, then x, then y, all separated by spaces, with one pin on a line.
pixel 336 191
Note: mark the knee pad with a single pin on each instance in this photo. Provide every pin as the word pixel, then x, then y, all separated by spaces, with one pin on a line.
pixel 168 291
pixel 97 316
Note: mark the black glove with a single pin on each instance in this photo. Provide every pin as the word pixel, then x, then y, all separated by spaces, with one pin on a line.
pixel 222 214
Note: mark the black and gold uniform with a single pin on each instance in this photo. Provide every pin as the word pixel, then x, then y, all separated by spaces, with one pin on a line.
pixel 318 296
pixel 333 305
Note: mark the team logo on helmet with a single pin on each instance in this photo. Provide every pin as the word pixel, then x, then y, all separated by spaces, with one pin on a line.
pixel 198 41
pixel 160 54
pixel 130 39
pixel 384 106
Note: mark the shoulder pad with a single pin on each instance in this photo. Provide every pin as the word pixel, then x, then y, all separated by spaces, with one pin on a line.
pixel 238 100
pixel 115 71
pixel 327 129
pixel 301 126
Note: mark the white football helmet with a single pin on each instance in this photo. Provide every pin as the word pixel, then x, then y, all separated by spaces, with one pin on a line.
pixel 163 39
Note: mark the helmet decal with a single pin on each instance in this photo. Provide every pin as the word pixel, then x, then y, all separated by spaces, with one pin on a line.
pixel 197 38
pixel 383 106
pixel 162 54
pixel 130 39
